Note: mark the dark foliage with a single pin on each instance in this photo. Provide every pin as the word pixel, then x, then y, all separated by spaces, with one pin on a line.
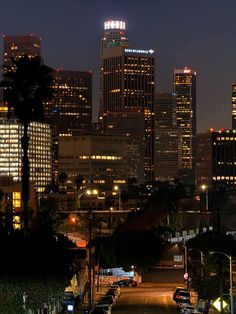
pixel 138 248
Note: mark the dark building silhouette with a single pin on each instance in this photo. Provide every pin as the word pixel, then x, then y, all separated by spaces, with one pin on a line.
pixel 216 155
pixel 167 138
pixel 234 105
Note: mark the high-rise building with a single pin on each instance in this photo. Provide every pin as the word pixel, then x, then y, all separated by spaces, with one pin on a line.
pixel 130 125
pixel 215 162
pixel 167 138
pixel 128 84
pixel 18 46
pixel 71 106
pixel 114 36
pixel 185 90
pixel 204 158
pixel 70 110
pixel 234 106
pixel 11 133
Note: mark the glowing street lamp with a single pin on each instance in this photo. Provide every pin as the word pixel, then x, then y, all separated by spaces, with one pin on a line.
pixel 117 189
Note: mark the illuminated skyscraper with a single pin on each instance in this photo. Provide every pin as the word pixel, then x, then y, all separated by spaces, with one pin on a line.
pixel 18 46
pixel 39 152
pixel 114 36
pixel 234 106
pixel 185 90
pixel 71 107
pixel 70 111
pixel 128 84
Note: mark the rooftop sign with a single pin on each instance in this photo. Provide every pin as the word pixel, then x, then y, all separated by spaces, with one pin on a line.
pixel 150 51
pixel 114 25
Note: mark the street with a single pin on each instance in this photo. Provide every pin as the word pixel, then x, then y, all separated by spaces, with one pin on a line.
pixel 147 299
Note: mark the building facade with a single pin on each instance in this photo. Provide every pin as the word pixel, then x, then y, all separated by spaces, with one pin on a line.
pixel 71 106
pixel 128 84
pixel 234 106
pixel 185 90
pixel 216 157
pixel 39 152
pixel 167 138
pixel 100 159
pixel 70 110
pixel 130 125
pixel 18 46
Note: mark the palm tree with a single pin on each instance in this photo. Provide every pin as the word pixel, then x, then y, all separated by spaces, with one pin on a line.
pixel 26 84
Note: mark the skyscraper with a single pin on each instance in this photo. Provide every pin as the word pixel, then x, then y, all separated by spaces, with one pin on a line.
pixel 71 107
pixel 234 105
pixel 167 138
pixel 114 36
pixel 18 46
pixel 128 84
pixel 185 90
pixel 70 110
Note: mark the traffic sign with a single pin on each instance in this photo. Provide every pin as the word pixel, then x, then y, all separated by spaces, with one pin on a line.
pixel 217 304
pixel 186 276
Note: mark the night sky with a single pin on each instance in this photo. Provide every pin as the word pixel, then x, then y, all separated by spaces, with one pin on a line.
pixel 196 33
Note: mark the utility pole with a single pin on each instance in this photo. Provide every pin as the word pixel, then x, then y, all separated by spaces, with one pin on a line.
pixel 90 257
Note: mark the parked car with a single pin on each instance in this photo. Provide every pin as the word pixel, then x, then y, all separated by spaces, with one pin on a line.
pixel 177 290
pixel 126 283
pixel 183 297
pixel 188 309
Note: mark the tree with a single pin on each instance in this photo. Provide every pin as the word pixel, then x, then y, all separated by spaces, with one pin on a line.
pixel 26 85
pixel 78 181
pixel 211 278
pixel 123 249
pixel 62 177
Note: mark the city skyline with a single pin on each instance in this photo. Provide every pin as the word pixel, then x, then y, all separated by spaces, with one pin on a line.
pixel 198 35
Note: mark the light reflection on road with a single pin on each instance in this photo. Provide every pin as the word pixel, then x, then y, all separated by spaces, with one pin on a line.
pixel 147 299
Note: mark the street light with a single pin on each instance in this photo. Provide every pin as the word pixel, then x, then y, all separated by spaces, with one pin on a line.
pixel 90 217
pixel 204 188
pixel 117 189
pixel 230 279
